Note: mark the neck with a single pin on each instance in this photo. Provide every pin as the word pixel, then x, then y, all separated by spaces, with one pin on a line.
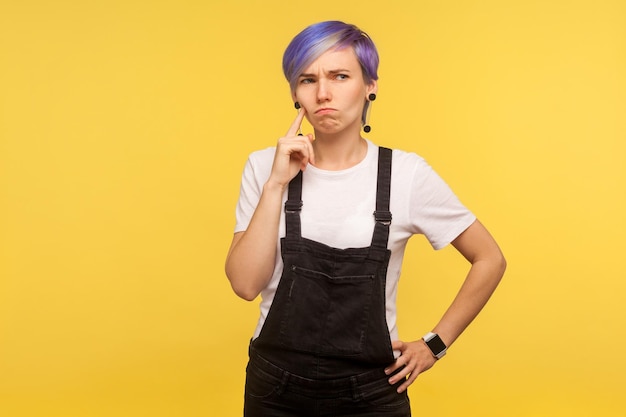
pixel 337 152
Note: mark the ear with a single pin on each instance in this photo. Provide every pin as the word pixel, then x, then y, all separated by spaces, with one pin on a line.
pixel 371 88
pixel 293 96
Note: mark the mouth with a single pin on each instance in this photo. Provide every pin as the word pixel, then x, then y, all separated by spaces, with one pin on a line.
pixel 325 110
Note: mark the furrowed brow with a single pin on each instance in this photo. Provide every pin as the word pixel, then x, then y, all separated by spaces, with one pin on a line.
pixel 332 72
pixel 338 71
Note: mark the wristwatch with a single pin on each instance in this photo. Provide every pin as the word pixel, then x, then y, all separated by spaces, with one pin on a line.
pixel 435 344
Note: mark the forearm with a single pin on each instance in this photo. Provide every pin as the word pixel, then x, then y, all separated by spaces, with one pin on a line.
pixel 251 259
pixel 250 262
pixel 480 283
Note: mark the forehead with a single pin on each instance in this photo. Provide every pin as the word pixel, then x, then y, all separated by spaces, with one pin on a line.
pixel 334 59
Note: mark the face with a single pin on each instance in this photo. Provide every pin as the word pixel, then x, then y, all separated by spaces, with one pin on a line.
pixel 333 91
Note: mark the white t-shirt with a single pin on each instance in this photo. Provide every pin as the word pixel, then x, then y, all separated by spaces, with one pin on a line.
pixel 338 211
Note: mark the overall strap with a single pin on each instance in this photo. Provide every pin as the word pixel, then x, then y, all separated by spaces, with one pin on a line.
pixel 382 215
pixel 293 206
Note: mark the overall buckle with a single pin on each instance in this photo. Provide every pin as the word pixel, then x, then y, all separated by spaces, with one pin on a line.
pixel 383 217
pixel 293 206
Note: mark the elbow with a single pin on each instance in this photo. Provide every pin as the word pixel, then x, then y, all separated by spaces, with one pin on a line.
pixel 247 294
pixel 501 265
pixel 241 287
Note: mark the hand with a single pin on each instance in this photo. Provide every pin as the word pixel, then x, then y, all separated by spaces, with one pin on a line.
pixel 293 153
pixel 416 358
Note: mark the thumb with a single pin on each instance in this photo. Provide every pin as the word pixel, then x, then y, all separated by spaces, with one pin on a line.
pixel 397 345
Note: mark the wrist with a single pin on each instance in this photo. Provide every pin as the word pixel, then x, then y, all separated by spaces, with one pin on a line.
pixel 274 187
pixel 437 347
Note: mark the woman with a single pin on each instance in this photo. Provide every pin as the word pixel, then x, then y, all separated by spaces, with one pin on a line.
pixel 327 268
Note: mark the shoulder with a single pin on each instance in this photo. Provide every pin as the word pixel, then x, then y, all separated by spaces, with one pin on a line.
pixel 409 164
pixel 405 157
pixel 262 156
pixel 260 162
pixel 406 165
pixel 413 171
pixel 401 158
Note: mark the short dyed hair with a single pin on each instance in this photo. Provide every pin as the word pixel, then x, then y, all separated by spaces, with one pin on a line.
pixel 318 38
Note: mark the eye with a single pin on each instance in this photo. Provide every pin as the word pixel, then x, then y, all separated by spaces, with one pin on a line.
pixel 341 77
pixel 307 81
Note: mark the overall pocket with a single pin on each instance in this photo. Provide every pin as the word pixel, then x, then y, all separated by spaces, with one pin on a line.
pixel 326 314
pixel 260 384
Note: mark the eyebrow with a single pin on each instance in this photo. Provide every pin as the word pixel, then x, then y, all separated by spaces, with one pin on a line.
pixel 335 71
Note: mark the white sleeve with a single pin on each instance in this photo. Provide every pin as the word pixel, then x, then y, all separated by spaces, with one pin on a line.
pixel 255 174
pixel 434 209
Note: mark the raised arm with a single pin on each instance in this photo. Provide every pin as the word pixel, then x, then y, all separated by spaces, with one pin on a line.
pixel 252 254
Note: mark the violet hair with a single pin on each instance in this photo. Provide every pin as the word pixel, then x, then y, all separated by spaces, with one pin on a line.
pixel 318 38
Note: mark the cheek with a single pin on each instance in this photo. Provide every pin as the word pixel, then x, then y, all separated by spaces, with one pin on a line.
pixel 358 96
pixel 358 103
pixel 305 100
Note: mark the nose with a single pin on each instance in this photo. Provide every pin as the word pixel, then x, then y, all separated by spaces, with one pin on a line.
pixel 323 91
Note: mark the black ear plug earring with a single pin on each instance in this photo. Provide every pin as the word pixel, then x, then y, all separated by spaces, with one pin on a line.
pixel 366 112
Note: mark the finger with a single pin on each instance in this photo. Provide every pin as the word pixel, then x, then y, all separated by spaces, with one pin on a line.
pixel 397 345
pixel 295 126
pixel 311 150
pixel 400 361
pixel 307 152
pixel 402 367
pixel 305 157
pixel 409 374
pixel 395 366
pixel 408 382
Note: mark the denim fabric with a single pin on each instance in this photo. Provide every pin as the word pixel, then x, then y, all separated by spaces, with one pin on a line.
pixel 325 342
pixel 273 392
pixel 328 316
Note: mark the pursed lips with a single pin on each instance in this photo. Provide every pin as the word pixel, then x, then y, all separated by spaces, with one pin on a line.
pixel 324 110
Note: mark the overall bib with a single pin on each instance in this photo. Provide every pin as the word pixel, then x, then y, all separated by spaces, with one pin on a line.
pixel 325 342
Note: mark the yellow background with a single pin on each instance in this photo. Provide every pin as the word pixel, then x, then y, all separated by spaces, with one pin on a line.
pixel 124 127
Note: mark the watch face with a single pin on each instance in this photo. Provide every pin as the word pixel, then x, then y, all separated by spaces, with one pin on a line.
pixel 436 345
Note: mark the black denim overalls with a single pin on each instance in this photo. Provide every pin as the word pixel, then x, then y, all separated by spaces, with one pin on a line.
pixel 325 342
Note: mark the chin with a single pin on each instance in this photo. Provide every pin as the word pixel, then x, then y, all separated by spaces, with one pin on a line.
pixel 328 128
